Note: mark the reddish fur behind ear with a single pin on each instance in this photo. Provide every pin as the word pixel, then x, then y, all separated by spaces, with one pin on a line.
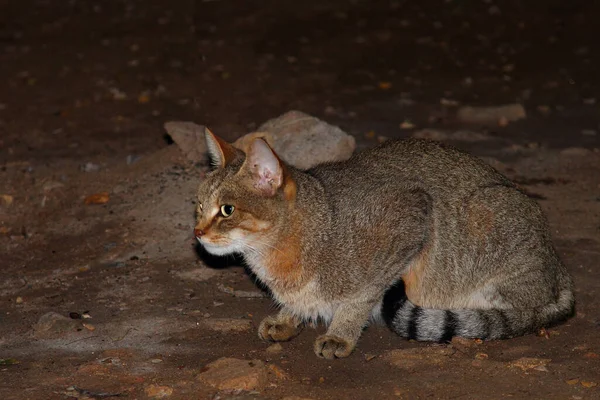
pixel 289 186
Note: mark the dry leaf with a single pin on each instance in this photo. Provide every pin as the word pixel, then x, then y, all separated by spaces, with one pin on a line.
pixel 588 384
pixel 278 372
pixel 527 363
pixel 89 327
pixel 143 98
pixel 97 198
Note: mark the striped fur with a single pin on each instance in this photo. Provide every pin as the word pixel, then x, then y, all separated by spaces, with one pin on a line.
pixel 428 324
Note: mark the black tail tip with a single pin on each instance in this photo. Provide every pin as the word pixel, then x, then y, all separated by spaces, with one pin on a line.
pixel 393 299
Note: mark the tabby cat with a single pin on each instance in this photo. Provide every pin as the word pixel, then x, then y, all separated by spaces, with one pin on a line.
pixel 428 239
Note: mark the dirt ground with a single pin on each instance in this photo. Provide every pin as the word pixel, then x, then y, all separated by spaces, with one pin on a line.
pixel 85 88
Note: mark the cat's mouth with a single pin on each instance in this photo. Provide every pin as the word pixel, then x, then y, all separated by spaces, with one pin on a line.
pixel 218 249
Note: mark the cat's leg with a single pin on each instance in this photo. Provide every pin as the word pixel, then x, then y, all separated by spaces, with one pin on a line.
pixel 344 331
pixel 280 327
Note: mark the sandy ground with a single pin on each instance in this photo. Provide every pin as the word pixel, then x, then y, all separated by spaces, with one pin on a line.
pixel 84 91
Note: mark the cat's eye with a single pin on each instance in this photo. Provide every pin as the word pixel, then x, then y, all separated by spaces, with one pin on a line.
pixel 227 210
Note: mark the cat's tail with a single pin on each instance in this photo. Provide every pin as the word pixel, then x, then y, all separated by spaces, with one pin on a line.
pixel 427 324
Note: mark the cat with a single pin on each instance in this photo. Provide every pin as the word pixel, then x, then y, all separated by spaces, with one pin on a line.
pixel 428 239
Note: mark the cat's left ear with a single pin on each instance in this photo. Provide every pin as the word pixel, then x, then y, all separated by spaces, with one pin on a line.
pixel 221 153
pixel 264 166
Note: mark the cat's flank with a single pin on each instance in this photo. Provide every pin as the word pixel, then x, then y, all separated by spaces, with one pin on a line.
pixel 426 238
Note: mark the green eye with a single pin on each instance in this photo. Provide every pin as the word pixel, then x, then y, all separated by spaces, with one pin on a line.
pixel 227 210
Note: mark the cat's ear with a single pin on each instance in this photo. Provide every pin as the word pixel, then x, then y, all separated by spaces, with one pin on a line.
pixel 264 166
pixel 221 153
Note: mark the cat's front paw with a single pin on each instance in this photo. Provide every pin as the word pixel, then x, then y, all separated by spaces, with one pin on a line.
pixel 276 330
pixel 330 347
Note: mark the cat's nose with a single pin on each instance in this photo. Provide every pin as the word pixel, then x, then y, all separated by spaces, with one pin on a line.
pixel 198 232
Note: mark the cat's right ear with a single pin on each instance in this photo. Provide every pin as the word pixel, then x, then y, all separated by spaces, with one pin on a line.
pixel 221 153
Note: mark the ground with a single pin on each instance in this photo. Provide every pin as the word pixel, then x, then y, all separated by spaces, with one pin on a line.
pixel 85 88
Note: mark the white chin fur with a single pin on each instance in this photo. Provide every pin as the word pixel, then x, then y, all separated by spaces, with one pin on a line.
pixel 220 250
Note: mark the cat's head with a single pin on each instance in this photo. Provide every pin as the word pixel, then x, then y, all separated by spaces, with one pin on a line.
pixel 244 200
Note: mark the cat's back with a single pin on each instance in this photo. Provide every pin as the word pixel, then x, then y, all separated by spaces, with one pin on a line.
pixel 427 164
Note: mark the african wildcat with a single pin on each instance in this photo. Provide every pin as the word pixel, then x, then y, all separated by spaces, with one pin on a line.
pixel 346 241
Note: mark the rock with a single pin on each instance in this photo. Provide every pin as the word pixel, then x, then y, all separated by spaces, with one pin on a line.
pixel 575 152
pixel 235 374
pixel 6 200
pixel 296 398
pixel 278 372
pixel 464 136
pixel 51 185
pixel 189 137
pixel 303 141
pixel 198 274
pixel 462 343
pixel 299 139
pixel 418 357
pixel 52 325
pixel 491 115
pixel 527 363
pixel 227 324
pixel 90 167
pixel 158 392
pixel 274 348
pixel 249 294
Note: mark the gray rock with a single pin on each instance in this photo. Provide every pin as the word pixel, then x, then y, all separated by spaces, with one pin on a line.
pixel 227 325
pixel 492 115
pixel 53 325
pixel 190 139
pixel 297 138
pixel 463 136
pixel 575 152
pixel 302 140
pixel 235 374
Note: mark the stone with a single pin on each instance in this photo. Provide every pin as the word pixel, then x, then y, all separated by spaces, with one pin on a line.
pixel 296 398
pixel 418 357
pixel 302 141
pixel 52 325
pixel 527 363
pixel 575 152
pixel 227 325
pixel 158 392
pixel 189 137
pixel 6 200
pixel 274 348
pixel 298 139
pixel 463 136
pixel 491 115
pixel 51 185
pixel 235 374
pixel 198 274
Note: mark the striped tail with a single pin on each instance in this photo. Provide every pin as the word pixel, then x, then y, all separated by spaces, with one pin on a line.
pixel 428 324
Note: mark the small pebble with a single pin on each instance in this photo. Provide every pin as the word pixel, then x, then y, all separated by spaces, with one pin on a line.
pixel 274 348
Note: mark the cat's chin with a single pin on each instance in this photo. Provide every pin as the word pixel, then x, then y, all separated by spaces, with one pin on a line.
pixel 221 250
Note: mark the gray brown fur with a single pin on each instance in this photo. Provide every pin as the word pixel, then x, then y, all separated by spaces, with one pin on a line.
pixel 474 253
